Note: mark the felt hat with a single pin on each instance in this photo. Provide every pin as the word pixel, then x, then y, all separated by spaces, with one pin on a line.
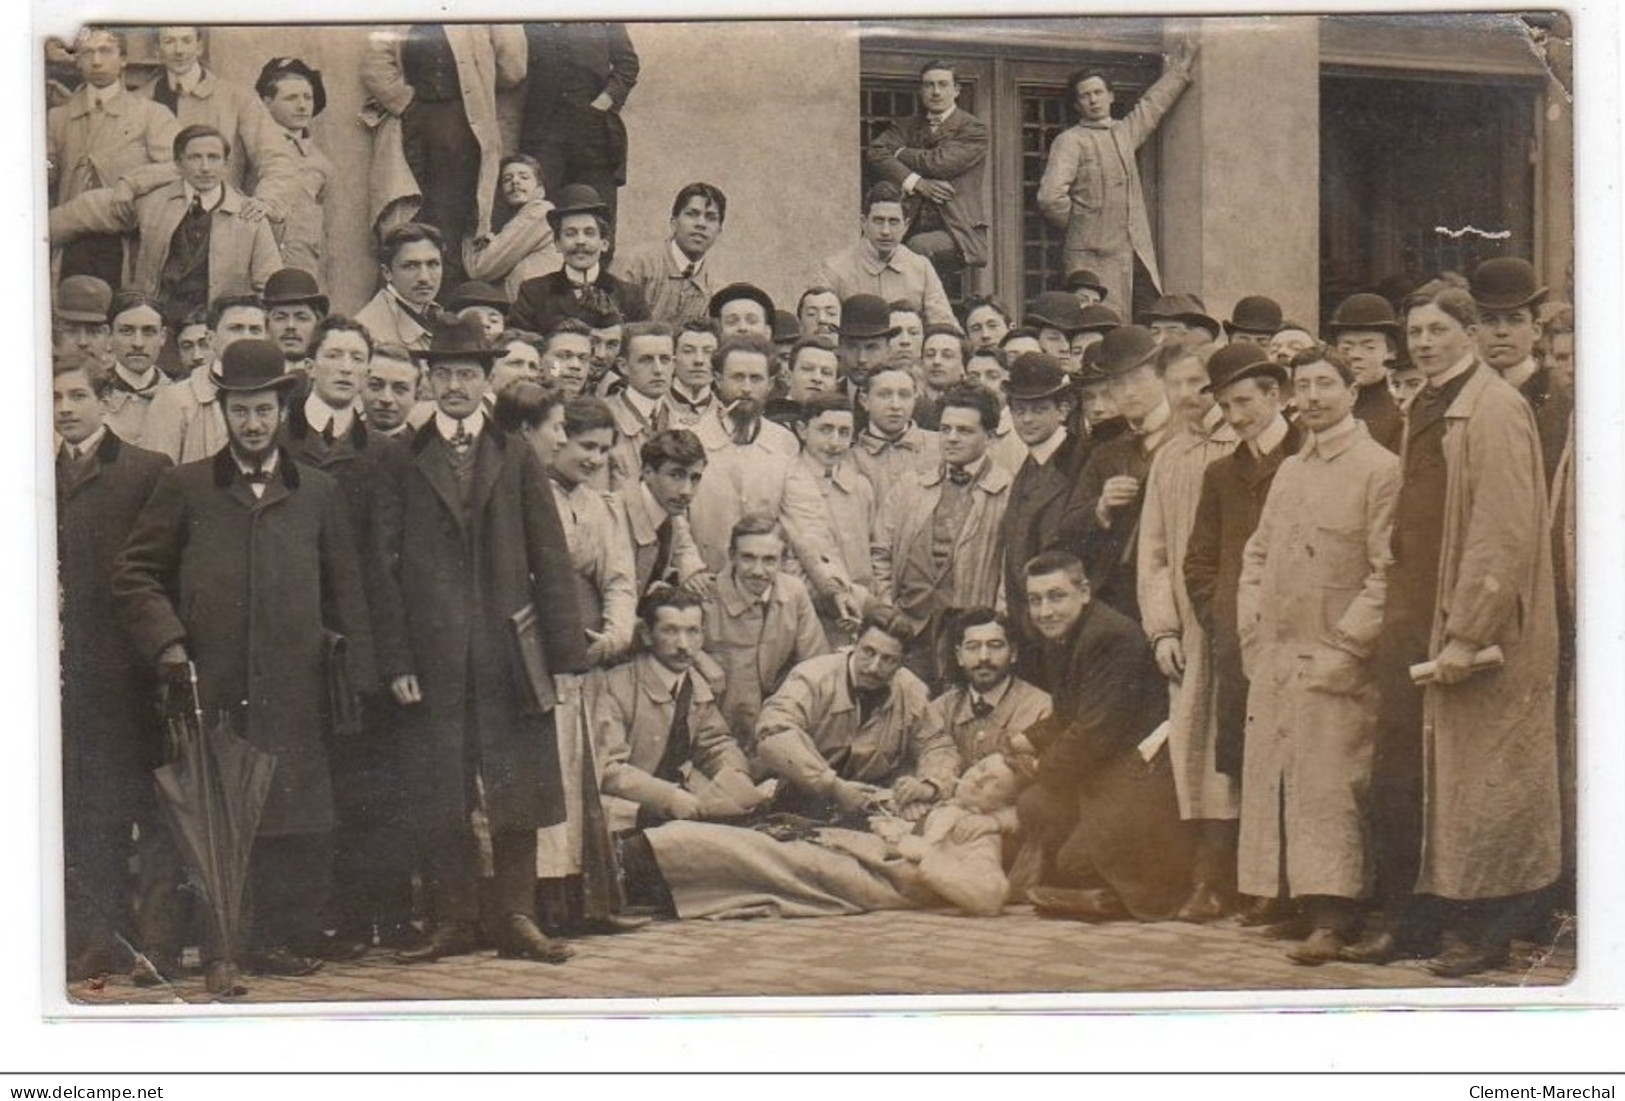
pixel 576 199
pixel 735 291
pixel 1506 283
pixel 1255 314
pixel 1363 313
pixel 1234 362
pixel 1089 370
pixel 1055 310
pixel 461 339
pixel 1125 348
pixel 1098 318
pixel 292 287
pixel 248 366
pixel 84 299
pixel 1085 278
pixel 785 327
pixel 1182 307
pixel 277 67
pixel 1036 375
pixel 865 316
pixel 477 293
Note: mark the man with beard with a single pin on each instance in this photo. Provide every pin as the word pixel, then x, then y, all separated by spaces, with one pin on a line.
pixel 411 260
pixel 987 705
pixel 293 306
pixel 135 381
pixel 1366 333
pixel 582 230
pixel 243 564
pixel 676 280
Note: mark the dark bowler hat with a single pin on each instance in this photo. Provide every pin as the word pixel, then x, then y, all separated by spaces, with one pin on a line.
pixel 1036 375
pixel 1505 284
pixel 1181 307
pixel 248 366
pixel 1085 278
pixel 785 327
pixel 1255 314
pixel 1363 313
pixel 461 339
pixel 265 86
pixel 576 199
pixel 1234 362
pixel 1125 348
pixel 741 290
pixel 292 287
pixel 476 293
pixel 1055 310
pixel 1089 372
pixel 865 316
pixel 84 299
pixel 1098 319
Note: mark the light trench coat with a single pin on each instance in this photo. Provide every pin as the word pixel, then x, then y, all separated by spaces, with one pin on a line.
pixel 1313 581
pixel 1173 490
pixel 1492 823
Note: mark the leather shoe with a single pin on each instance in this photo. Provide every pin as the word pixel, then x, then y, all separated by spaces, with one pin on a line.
pixel 1261 911
pixel 1206 903
pixel 1323 946
pixel 520 939
pixel 1293 927
pixel 1385 947
pixel 452 938
pixel 1467 959
pixel 1078 904
pixel 279 960
pixel 220 979
pixel 610 924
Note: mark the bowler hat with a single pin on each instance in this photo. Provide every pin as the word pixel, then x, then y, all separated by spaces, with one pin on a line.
pixel 1036 375
pixel 83 298
pixel 265 86
pixel 865 316
pixel 1125 348
pixel 1098 319
pixel 785 327
pixel 1255 314
pixel 1055 310
pixel 476 293
pixel 1506 283
pixel 576 199
pixel 1181 307
pixel 1234 362
pixel 461 339
pixel 735 291
pixel 1089 372
pixel 293 286
pixel 1363 313
pixel 1085 278
pixel 247 366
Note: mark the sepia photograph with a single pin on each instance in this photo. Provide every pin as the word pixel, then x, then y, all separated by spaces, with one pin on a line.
pixel 560 511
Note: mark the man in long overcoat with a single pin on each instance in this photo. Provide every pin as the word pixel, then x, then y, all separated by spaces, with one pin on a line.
pixel 244 564
pixel 473 542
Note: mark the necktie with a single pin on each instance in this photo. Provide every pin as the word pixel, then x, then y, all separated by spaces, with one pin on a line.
pixel 662 563
pixel 166 93
pixel 461 440
pixel 959 475
pixel 327 433
pixel 677 740
pixel 688 272
pixel 980 707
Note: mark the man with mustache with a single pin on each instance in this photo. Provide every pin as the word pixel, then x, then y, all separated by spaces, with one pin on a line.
pixel 293 306
pixel 583 233
pixel 987 705
pixel 138 333
pixel 675 276
pixel 411 260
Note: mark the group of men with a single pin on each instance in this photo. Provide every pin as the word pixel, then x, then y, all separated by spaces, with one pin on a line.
pixel 1266 626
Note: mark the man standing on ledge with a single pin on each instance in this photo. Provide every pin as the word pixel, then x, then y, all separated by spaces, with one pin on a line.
pixel 1091 184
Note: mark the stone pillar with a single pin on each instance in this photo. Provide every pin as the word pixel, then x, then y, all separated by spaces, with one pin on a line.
pixel 1239 208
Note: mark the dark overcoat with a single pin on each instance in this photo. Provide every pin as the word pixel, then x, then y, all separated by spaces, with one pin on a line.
pixel 544 301
pixel 1032 520
pixel 460 583
pixel 955 154
pixel 1110 554
pixel 250 586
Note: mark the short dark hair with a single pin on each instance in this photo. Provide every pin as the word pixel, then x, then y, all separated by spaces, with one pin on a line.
pixel 888 621
pixel 904 305
pixel 970 395
pixel 661 595
pixel 960 620
pixel 992 351
pixel 1018 332
pixel 1078 76
pixel 517 336
pixel 571 326
pixel 197 315
pixel 408 233
pixel 219 306
pixel 192 133
pixel 675 445
pixel 810 291
pixel 336 323
pixel 939 63
pixel 754 343
pixel 526 404
pixel 824 344
pixel 99 377
pixel 114 33
pixel 883 192
pixel 1057 562
pixel 127 300
pixel 711 193
pixel 942 329
pixel 398 353
pixel 755 523
pixel 587 414
pixel 697 325
pixel 602 313
pixel 829 401
pixel 635 329
pixel 986 302
pixel 1451 293
pixel 525 159
pixel 1322 353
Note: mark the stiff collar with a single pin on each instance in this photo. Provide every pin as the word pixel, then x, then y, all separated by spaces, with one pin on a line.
pixel 680 261
pixel 1044 452
pixel 473 424
pixel 1456 370
pixel 138 384
pixel 86 446
pixel 210 199
pixel 1271 438
pixel 576 279
pixel 319 414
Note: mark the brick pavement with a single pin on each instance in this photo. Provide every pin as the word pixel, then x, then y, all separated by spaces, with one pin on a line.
pixel 916 952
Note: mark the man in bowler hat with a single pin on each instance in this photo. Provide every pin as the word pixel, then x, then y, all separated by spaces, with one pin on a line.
pixel 581 226
pixel 1508 294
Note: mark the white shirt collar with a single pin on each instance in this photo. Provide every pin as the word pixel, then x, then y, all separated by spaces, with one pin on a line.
pixel 993 698
pixel 138 382
pixel 1042 453
pixel 186 81
pixel 643 406
pixel 680 258
pixel 85 446
pixel 699 398
pixel 101 97
pixel 447 426
pixel 938 120
pixel 319 414
pixel 1460 367
pixel 210 199
pixel 576 278
pixel 1271 438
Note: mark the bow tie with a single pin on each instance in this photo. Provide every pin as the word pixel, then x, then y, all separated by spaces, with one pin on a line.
pixel 980 707
pixel 261 477
pixel 959 475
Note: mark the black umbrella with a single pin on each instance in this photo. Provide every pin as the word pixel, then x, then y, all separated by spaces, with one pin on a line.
pixel 212 793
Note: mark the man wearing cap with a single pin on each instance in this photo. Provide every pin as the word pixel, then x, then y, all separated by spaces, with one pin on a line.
pixel 581 227
pixel 740 309
pixel 1055 316
pixel 1248 387
pixel 184 421
pixel 93 139
pixel 1253 320
pixel 936 157
pixel 411 265
pixel 1094 322
pixel 1091 185
pixel 79 319
pixel 295 185
pixel 1366 333
pixel 1086 286
pixel 865 330
pixel 293 306
pixel 138 334
pixel 880 264
pixel 675 276
pixel 1208 797
pixel 244 564
pixel 1101 523
pixel 1508 294
pixel 1180 319
pixel 484 616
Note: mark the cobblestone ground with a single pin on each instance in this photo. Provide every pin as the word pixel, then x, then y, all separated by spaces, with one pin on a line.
pixel 919 952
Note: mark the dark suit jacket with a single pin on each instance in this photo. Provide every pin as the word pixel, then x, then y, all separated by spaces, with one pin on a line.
pixel 1380 412
pixel 1552 409
pixel 1032 521
pixel 954 154
pixel 1109 554
pixel 544 300
pixel 1233 492
pixel 569 65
